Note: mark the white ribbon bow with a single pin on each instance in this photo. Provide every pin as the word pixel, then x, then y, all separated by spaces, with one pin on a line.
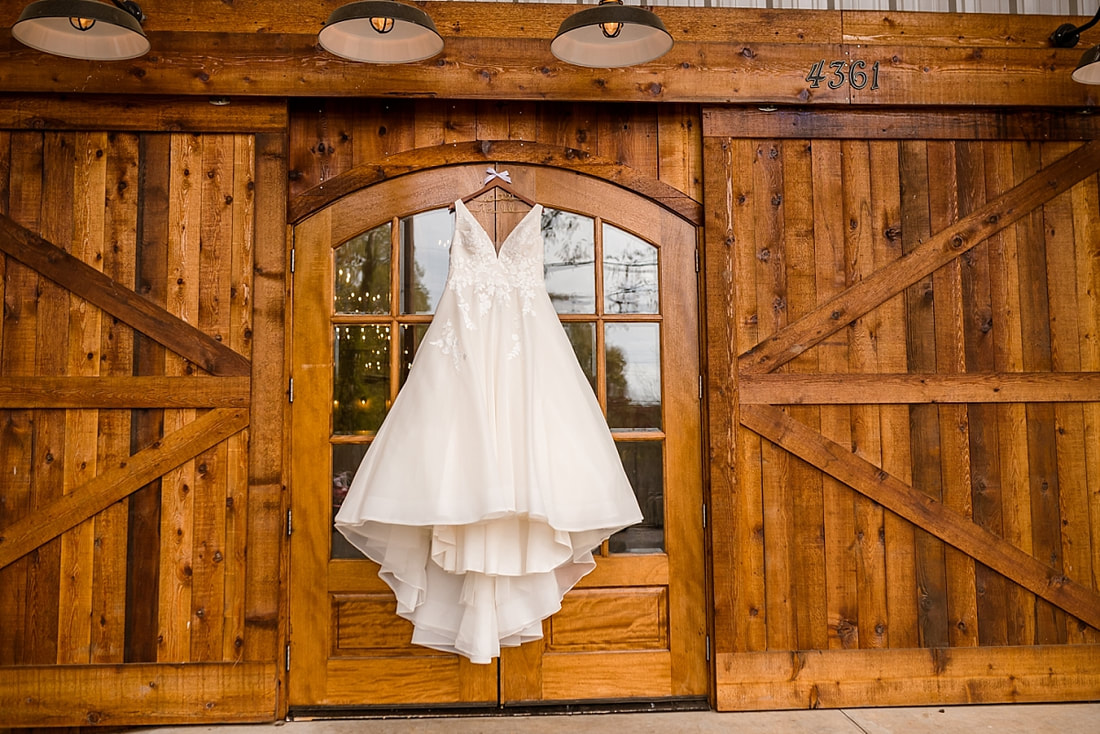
pixel 492 173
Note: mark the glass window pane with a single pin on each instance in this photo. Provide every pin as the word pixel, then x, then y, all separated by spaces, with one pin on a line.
pixel 643 463
pixel 345 460
pixel 425 248
pixel 633 359
pixel 360 378
pixel 582 335
pixel 411 337
pixel 569 257
pixel 629 273
pixel 362 280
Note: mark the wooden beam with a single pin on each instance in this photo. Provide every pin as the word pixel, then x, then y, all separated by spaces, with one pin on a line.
pixel 721 56
pixel 124 392
pixel 499 151
pixel 924 511
pixel 137 694
pixel 789 388
pixel 47 522
pixel 810 679
pixel 119 301
pixel 865 123
pixel 941 248
pixel 142 114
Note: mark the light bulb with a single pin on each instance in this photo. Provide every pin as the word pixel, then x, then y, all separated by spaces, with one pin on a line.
pixel 382 25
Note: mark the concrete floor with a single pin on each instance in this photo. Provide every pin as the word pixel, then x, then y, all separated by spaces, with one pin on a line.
pixel 1015 719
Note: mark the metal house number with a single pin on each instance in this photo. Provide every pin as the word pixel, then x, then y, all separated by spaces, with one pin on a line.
pixel 855 76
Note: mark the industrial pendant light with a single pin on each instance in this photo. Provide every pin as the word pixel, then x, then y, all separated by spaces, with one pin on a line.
pixel 83 29
pixel 1066 36
pixel 611 35
pixel 381 32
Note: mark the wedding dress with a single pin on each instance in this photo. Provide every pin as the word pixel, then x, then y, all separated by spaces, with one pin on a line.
pixel 494 476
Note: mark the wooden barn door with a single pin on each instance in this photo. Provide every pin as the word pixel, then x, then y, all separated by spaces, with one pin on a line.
pixel 621 271
pixel 141 413
pixel 905 380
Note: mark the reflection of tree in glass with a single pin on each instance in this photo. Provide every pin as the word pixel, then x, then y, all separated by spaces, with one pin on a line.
pixel 630 273
pixel 361 378
pixel 568 248
pixel 362 278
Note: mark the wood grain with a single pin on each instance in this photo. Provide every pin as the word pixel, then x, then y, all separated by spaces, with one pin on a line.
pixel 38 253
pixel 949 525
pixel 137 694
pixel 918 388
pixel 941 248
pixel 113 484
pixel 124 392
pixel 840 679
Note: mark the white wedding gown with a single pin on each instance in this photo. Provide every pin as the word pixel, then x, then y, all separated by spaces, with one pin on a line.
pixel 494 475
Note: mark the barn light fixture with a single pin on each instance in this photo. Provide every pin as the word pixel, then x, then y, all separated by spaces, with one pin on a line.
pixel 611 35
pixel 83 29
pixel 380 32
pixel 1066 36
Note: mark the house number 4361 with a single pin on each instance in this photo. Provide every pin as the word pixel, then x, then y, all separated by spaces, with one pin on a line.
pixel 835 75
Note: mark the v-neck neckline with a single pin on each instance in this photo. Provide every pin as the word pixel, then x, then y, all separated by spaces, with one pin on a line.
pixel 497 252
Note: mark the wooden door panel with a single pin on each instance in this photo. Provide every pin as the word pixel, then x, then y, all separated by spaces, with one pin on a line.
pixel 631 614
pixel 902 410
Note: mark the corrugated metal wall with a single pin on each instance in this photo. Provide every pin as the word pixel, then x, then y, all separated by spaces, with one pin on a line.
pixel 1021 7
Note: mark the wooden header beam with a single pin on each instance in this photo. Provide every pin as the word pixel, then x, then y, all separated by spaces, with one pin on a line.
pixel 268 48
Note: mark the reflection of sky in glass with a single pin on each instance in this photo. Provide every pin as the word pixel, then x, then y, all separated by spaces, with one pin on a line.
pixel 640 346
pixel 629 273
pixel 362 282
pixel 427 237
pixel 569 254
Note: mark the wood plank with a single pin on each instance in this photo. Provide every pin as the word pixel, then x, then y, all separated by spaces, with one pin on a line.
pixel 978 350
pixel 831 277
pixel 18 353
pixel 124 392
pixel 83 358
pixel 869 123
pixel 176 552
pixel 137 694
pixel 869 533
pixel 265 563
pixel 807 541
pixel 1042 498
pixel 139 113
pixel 948 525
pixel 770 303
pixel 151 280
pixel 114 484
pixel 944 209
pixel 489 151
pixel 899 535
pixel 943 247
pixel 88 283
pixel 1065 303
pixel 723 424
pixel 108 607
pixel 924 431
pixel 1086 203
pixel 241 330
pixel 51 358
pixel 697 69
pixel 906 677
pixel 1011 419
pixel 918 388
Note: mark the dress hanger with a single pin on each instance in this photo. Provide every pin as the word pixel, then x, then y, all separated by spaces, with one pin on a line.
pixel 497 180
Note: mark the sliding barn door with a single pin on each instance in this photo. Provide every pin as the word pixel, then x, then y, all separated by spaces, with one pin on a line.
pixel 621 273
pixel 903 362
pixel 141 408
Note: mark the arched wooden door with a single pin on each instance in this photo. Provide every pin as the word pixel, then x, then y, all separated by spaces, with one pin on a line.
pixel 621 271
